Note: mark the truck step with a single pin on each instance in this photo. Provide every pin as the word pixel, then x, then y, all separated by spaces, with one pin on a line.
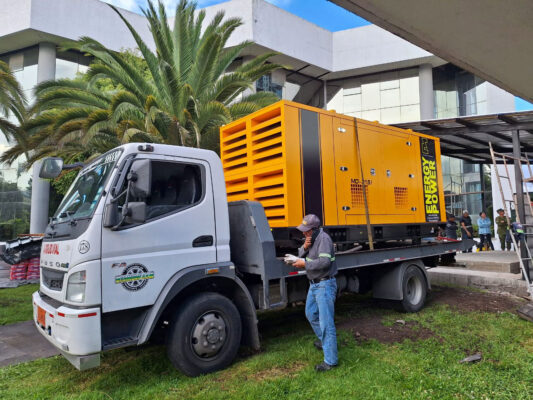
pixel 119 342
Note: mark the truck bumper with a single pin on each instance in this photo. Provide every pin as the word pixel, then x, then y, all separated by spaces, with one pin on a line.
pixel 75 332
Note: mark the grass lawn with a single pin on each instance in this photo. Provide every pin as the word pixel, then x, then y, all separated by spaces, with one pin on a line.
pixel 15 304
pixel 380 358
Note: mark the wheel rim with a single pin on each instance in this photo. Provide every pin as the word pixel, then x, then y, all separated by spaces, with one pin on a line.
pixel 413 290
pixel 208 335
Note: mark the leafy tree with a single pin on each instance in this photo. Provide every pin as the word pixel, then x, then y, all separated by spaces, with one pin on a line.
pixel 179 94
pixel 14 210
pixel 12 103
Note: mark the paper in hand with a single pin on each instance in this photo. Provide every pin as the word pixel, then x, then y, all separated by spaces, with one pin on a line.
pixel 290 259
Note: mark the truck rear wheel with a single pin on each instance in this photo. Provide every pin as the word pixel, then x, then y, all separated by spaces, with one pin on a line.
pixel 414 289
pixel 205 334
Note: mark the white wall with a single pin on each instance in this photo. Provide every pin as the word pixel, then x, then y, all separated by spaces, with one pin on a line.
pixel 389 97
pixel 365 46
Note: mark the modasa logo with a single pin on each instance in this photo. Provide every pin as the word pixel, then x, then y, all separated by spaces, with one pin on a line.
pixel 51 249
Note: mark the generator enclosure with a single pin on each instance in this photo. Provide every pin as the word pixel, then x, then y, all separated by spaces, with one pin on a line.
pixel 297 160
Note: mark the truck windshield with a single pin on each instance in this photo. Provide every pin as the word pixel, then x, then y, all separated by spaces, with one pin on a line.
pixel 86 190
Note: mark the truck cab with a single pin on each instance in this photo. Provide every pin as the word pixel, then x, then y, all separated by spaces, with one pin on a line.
pixel 132 220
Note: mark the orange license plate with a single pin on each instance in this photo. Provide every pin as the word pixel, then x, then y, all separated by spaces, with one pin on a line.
pixel 41 316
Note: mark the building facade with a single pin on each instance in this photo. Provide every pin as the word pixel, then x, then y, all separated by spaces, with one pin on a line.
pixel 365 72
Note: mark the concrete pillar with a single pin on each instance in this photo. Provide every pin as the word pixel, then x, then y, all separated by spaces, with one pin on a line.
pixel 46 69
pixel 325 95
pixel 425 85
pixel 40 188
pixel 40 196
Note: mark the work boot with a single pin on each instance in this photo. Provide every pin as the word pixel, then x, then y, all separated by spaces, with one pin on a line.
pixel 323 366
pixel 318 344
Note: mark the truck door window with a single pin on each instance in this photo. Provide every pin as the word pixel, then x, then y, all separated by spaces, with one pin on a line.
pixel 175 186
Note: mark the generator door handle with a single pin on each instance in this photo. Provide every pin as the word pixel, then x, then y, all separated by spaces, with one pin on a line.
pixel 203 241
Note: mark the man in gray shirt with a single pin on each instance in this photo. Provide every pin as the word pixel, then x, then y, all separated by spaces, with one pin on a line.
pixel 320 304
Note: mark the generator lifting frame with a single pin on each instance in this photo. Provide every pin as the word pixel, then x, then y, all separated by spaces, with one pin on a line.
pixel 523 251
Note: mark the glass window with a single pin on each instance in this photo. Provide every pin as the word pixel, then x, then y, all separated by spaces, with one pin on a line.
pixel 265 84
pixel 469 168
pixel 175 186
pixel 85 192
pixel 69 64
pixel 456 92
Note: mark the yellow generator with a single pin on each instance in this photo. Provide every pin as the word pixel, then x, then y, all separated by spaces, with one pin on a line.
pixel 362 179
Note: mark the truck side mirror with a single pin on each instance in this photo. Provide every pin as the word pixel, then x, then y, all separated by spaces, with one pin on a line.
pixel 51 167
pixel 111 216
pixel 140 179
pixel 134 212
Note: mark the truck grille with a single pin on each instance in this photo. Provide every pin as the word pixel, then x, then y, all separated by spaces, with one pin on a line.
pixel 53 280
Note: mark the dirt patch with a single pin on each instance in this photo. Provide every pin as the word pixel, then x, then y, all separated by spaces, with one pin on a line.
pixel 466 300
pixel 372 327
pixel 259 376
pixel 277 372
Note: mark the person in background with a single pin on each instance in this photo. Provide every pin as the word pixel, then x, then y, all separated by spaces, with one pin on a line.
pixel 451 233
pixel 484 225
pixel 517 230
pixel 467 231
pixel 451 227
pixel 501 222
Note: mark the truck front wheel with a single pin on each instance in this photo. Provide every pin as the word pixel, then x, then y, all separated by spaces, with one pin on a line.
pixel 414 289
pixel 204 335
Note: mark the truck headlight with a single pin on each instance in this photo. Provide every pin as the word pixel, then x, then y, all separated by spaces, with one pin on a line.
pixel 76 287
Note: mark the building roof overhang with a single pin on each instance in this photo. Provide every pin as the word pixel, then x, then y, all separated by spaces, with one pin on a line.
pixel 491 39
pixel 468 138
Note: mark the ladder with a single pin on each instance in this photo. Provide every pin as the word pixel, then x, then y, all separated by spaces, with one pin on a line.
pixel 523 161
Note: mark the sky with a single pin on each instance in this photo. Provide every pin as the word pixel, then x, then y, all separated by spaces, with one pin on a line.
pixel 321 12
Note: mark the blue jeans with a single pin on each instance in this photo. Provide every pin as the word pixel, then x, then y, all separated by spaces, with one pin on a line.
pixel 320 310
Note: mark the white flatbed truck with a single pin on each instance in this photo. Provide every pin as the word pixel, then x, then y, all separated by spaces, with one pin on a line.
pixel 145 240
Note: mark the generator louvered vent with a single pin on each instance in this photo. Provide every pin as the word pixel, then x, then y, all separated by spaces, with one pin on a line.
pixel 358 199
pixel 234 148
pixel 400 197
pixel 266 138
pixel 237 189
pixel 269 189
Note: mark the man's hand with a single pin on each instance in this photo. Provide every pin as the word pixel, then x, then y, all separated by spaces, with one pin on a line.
pixel 469 234
pixel 299 263
pixel 307 243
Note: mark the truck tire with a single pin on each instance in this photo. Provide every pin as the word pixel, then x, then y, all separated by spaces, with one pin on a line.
pixel 205 334
pixel 414 289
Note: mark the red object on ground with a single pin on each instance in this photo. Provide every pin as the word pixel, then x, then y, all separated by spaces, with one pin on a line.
pixel 18 272
pixel 33 268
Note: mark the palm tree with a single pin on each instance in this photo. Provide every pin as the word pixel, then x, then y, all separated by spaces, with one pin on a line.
pixel 188 87
pixel 191 91
pixel 12 103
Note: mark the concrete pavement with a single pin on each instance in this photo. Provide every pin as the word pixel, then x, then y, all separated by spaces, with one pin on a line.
pixel 22 342
pixel 493 261
pixel 489 280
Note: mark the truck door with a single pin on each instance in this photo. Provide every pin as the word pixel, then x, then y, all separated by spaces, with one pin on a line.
pixel 179 232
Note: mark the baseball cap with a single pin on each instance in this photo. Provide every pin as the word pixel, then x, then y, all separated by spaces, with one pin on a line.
pixel 310 221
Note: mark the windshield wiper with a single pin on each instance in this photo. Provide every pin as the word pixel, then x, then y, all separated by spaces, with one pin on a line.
pixel 68 214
